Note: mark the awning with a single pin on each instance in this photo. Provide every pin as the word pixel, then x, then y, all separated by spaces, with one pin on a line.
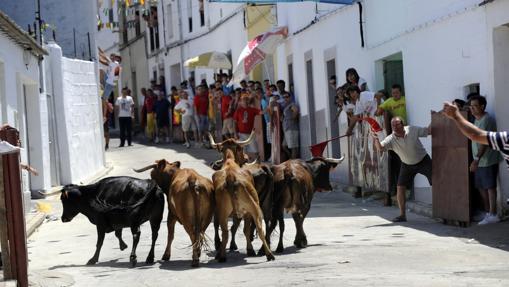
pixel 213 60
pixel 347 2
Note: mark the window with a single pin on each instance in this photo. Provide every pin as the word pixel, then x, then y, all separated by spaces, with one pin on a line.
pixel 137 23
pixel 169 18
pixel 202 13
pixel 190 15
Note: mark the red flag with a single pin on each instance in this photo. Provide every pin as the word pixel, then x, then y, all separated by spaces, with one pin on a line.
pixel 375 127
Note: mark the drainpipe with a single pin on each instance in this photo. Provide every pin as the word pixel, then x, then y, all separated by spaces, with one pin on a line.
pixel 181 37
pixel 360 24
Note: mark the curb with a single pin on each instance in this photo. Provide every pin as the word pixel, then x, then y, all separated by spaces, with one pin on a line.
pixel 34 222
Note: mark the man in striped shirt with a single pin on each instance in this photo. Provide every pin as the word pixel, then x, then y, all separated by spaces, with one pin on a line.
pixel 496 140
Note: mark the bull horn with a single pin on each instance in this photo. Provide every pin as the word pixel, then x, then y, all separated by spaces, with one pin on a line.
pixel 212 141
pixel 255 161
pixel 336 160
pixel 145 168
pixel 247 141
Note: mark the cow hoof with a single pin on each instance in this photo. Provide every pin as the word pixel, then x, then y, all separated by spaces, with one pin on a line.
pixel 165 257
pixel 298 244
pixel 270 257
pixel 133 260
pixel 150 260
pixel 92 261
pixel 222 259
pixel 280 249
pixel 217 245
pixel 251 253
pixel 261 252
pixel 123 246
pixel 233 246
pixel 195 263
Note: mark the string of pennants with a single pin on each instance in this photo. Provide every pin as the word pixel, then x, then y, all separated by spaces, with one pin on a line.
pixel 115 24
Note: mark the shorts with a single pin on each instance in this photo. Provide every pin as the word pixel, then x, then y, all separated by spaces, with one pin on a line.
pixel 150 123
pixel 188 124
pixel 486 177
pixel 108 89
pixel 203 123
pixel 106 128
pixel 292 138
pixel 163 121
pixel 407 172
pixel 228 126
pixel 252 147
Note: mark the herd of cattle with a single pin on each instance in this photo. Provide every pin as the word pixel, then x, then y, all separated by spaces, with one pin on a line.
pixel 254 192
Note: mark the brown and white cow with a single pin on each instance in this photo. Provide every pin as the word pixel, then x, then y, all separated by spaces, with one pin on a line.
pixel 295 181
pixel 236 195
pixel 190 202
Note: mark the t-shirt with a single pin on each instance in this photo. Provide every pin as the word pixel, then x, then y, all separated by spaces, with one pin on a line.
pixel 201 102
pixel 226 101
pixel 245 119
pixel 366 104
pixel 125 106
pixel 409 148
pixel 149 104
pixel 289 123
pixel 500 141
pixel 110 73
pixel 161 108
pixel 265 104
pixel 185 104
pixel 397 108
pixel 490 157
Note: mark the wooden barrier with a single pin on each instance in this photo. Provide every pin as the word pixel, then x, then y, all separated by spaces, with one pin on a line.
pixel 12 216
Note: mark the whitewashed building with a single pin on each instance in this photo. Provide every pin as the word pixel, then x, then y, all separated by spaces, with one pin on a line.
pixel 21 104
pixel 439 50
pixel 53 101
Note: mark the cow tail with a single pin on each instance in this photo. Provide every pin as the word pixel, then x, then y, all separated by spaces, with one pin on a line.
pixel 289 179
pixel 231 186
pixel 195 190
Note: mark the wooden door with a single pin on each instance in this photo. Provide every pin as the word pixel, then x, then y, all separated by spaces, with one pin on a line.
pixel 451 189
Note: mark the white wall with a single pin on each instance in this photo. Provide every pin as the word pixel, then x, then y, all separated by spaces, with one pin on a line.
pixel 14 76
pixel 446 46
pixel 79 121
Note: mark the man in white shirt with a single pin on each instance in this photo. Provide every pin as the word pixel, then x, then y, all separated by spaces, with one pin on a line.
pixel 404 141
pixel 125 109
pixel 185 107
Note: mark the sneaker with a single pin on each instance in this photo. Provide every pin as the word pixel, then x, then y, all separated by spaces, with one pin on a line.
pixel 400 218
pixel 156 140
pixel 167 140
pixel 187 145
pixel 490 218
pixel 480 216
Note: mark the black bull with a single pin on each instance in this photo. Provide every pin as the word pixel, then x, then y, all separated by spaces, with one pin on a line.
pixel 114 203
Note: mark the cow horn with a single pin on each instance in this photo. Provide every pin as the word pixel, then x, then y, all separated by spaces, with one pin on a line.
pixel 336 160
pixel 253 162
pixel 247 141
pixel 145 168
pixel 212 141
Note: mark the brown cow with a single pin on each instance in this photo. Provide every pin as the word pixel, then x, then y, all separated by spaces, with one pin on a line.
pixel 236 195
pixel 263 183
pixel 190 202
pixel 296 181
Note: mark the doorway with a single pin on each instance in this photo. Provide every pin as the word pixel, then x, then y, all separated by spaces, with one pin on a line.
pixel 311 101
pixel 175 75
pixel 334 125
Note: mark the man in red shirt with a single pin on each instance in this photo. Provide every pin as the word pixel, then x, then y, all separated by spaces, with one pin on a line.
pixel 227 111
pixel 244 121
pixel 201 106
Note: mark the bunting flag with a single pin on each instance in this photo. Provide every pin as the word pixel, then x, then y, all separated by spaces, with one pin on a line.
pixel 347 2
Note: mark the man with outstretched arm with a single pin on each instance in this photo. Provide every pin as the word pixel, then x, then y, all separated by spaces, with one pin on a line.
pixel 404 141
